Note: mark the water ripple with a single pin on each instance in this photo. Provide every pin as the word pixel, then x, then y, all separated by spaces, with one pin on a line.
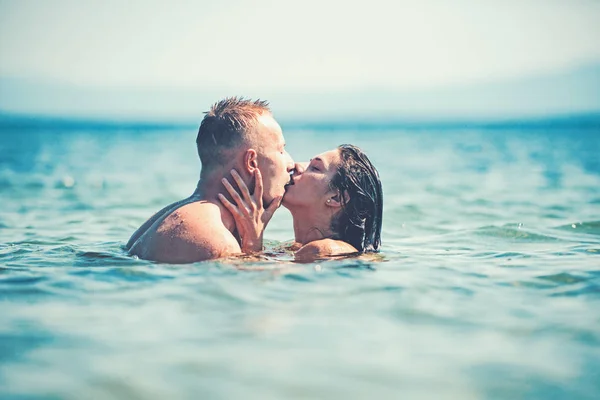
pixel 487 286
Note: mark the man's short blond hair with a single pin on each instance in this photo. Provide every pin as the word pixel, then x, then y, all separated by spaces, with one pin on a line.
pixel 225 126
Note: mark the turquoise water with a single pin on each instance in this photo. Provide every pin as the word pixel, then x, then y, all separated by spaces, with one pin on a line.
pixel 489 285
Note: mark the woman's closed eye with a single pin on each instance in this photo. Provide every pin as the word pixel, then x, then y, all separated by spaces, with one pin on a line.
pixel 316 164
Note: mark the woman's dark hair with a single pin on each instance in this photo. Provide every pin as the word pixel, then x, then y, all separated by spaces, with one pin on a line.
pixel 361 195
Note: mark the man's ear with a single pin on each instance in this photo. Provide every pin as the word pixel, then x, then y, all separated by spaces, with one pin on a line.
pixel 250 161
pixel 334 199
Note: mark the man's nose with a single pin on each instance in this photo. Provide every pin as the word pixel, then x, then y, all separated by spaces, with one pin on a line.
pixel 290 164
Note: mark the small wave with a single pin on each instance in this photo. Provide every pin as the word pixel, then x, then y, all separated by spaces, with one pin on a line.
pixel 297 277
pixel 356 265
pixel 515 232
pixel 22 283
pixel 587 227
pixel 563 278
pixel 103 259
pixel 119 275
pixel 20 280
pixel 33 242
pixel 352 268
pixel 588 289
pixel 507 254
pixel 10 250
pixel 31 252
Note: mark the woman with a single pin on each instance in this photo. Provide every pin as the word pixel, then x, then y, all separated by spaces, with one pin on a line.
pixel 336 201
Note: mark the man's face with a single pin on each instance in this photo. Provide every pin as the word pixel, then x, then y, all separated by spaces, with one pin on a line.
pixel 274 162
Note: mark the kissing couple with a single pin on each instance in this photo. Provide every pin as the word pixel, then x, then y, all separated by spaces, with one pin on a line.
pixel 336 199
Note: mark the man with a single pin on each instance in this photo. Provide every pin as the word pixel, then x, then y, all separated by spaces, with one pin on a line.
pixel 235 134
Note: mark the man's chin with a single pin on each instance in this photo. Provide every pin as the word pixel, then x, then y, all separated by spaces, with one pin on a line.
pixel 268 201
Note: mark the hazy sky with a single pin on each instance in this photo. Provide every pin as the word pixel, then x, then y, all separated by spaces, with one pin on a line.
pixel 298 46
pixel 294 44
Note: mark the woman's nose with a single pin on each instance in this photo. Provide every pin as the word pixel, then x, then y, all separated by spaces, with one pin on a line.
pixel 300 167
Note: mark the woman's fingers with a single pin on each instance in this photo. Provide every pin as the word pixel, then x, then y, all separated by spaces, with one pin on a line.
pixel 234 194
pixel 258 188
pixel 242 186
pixel 229 205
pixel 273 206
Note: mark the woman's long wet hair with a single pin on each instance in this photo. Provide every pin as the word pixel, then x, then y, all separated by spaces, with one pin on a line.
pixel 361 195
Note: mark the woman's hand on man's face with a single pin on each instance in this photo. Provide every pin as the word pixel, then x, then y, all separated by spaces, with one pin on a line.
pixel 250 217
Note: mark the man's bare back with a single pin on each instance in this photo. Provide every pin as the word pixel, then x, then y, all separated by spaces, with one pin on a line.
pixel 187 231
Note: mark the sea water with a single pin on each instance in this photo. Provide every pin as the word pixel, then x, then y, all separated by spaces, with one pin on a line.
pixel 488 284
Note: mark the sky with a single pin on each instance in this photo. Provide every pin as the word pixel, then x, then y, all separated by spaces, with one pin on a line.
pixel 118 56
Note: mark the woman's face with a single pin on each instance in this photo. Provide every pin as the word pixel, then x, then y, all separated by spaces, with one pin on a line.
pixel 311 181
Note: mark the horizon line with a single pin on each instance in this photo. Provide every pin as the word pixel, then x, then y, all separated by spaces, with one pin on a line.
pixel 586 119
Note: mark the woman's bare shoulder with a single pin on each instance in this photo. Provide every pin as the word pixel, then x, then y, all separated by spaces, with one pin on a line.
pixel 323 248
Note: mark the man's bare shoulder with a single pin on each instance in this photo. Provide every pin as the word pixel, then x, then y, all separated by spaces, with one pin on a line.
pixel 159 215
pixel 192 232
pixel 195 220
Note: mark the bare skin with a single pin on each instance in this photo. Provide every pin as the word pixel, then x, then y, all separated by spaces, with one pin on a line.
pixel 313 205
pixel 323 249
pixel 201 227
pixel 312 208
pixel 187 231
pixel 250 217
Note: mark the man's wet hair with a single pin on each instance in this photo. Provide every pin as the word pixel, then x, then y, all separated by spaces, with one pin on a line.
pixel 361 194
pixel 225 126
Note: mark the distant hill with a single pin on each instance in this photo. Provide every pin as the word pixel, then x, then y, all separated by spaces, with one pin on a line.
pixel 576 91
